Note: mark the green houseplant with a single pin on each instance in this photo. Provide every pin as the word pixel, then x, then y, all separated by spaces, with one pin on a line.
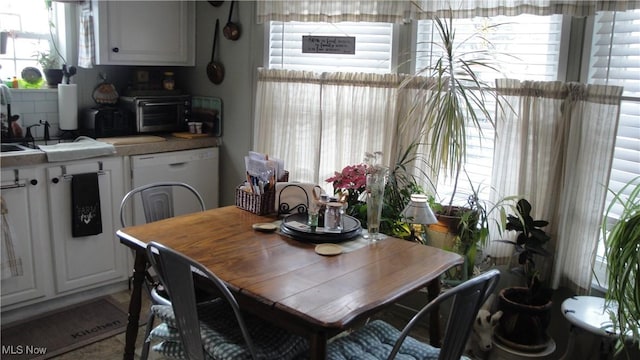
pixel 52 62
pixel 51 66
pixel 622 244
pixel 526 309
pixel 349 185
pixel 397 193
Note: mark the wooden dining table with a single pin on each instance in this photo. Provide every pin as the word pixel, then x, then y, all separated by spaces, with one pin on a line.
pixel 284 280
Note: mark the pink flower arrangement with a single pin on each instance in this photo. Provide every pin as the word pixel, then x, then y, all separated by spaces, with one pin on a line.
pixel 352 177
pixel 350 184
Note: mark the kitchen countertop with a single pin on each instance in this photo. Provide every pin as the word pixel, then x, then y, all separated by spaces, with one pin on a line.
pixel 13 159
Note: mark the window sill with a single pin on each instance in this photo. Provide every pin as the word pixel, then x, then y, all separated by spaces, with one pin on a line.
pixel 44 90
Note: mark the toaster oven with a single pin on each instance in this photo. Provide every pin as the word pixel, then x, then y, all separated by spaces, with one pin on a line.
pixel 158 113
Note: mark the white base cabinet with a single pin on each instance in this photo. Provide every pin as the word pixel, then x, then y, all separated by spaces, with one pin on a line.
pixel 58 269
pixel 24 236
pixel 87 261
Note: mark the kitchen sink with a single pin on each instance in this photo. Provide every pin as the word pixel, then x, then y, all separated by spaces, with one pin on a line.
pixel 15 148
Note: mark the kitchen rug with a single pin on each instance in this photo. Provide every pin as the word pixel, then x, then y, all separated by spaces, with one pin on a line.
pixel 63 330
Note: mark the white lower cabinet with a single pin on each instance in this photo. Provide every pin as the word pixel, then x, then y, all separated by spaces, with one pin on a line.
pixel 25 258
pixel 86 261
pixel 51 266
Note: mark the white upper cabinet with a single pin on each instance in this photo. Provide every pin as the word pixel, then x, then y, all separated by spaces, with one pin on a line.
pixel 144 32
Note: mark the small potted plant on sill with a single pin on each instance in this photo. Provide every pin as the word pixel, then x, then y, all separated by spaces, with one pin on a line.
pixel 51 67
pixel 526 309
pixel 471 228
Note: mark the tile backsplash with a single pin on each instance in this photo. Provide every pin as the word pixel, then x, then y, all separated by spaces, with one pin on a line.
pixel 34 105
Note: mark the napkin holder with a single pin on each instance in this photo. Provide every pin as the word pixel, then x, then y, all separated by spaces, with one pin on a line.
pixel 294 197
pixel 260 204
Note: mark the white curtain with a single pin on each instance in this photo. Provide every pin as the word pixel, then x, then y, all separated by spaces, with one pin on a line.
pixel 333 11
pixel 319 123
pixel 399 11
pixel 554 147
pixel 471 8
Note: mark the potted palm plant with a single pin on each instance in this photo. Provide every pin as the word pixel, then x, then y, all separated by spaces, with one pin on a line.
pixel 622 240
pixel 526 309
pixel 457 101
pixel 451 99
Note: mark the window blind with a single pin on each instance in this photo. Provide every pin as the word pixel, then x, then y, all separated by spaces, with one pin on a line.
pixel 615 60
pixel 374 43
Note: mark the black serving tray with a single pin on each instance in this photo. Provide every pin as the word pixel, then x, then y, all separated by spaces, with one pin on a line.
pixel 295 225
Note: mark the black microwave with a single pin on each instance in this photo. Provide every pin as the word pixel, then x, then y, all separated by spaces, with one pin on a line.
pixel 158 113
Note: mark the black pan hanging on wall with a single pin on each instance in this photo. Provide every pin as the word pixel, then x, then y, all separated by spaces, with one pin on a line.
pixel 232 30
pixel 215 70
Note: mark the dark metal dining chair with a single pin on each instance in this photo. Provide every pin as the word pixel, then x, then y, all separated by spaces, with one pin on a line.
pixel 380 340
pixel 157 200
pixel 157 204
pixel 217 329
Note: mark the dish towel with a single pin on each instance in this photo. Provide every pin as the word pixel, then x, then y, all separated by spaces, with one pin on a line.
pixel 5 95
pixel 86 218
pixel 11 265
pixel 5 105
pixel 86 43
pixel 82 147
pixel 294 197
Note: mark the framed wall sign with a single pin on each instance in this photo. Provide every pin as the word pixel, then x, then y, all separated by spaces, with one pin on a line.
pixel 329 44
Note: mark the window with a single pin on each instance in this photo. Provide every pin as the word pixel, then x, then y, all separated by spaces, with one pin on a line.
pixel 27 22
pixel 615 60
pixel 374 42
pixel 524 54
pixel 536 48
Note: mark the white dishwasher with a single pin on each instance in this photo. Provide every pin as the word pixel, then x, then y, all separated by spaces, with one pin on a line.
pixel 198 168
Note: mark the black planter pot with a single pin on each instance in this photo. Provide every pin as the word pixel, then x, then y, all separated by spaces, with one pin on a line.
pixel 450 217
pixel 522 326
pixel 53 77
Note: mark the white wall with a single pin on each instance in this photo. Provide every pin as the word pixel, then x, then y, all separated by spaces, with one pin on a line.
pixel 35 105
pixel 240 59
